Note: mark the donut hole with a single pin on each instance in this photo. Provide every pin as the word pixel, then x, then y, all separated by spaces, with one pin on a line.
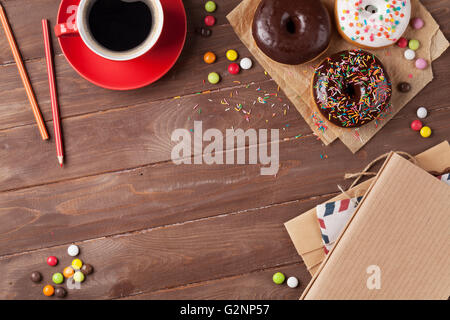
pixel 350 90
pixel 290 26
pixel 371 8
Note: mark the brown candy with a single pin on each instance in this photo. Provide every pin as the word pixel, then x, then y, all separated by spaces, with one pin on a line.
pixel 87 269
pixel 36 276
pixel 204 32
pixel 60 292
pixel 404 87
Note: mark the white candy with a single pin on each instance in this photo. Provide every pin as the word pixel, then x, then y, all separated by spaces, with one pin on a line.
pixel 409 54
pixel 292 282
pixel 246 63
pixel 73 250
pixel 422 112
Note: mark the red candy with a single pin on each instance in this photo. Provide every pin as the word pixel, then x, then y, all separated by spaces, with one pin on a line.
pixel 52 261
pixel 416 125
pixel 402 42
pixel 234 68
pixel 210 21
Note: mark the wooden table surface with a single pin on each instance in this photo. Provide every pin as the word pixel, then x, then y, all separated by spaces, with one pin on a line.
pixel 150 228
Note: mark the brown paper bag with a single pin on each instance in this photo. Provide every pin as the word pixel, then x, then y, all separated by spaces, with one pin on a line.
pixel 295 80
pixel 304 230
pixel 395 245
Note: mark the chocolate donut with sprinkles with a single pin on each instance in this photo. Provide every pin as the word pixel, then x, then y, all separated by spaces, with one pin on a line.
pixel 351 88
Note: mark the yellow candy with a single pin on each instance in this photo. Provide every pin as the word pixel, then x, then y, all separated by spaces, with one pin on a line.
pixel 425 132
pixel 77 264
pixel 78 276
pixel 232 55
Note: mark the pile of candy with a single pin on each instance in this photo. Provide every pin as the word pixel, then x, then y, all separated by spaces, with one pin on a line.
pixel 210 57
pixel 76 272
pixel 233 67
pixel 417 125
pixel 413 45
pixel 278 278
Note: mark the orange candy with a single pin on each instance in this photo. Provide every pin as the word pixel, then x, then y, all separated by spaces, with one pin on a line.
pixel 209 57
pixel 68 272
pixel 48 290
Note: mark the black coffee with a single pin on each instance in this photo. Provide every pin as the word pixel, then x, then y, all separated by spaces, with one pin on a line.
pixel 118 25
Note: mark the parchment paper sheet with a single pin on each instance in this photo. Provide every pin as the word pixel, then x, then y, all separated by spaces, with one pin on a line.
pixel 295 81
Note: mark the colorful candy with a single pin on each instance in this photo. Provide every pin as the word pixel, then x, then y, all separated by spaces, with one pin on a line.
pixel 417 23
pixel 77 264
pixel 292 282
pixel 402 42
pixel 413 44
pixel 48 290
pixel 204 32
pixel 73 250
pixel 278 278
pixel 58 278
pixel 213 78
pixel 209 57
pixel 234 68
pixel 232 55
pixel 36 276
pixel 425 132
pixel 68 272
pixel 87 269
pixel 78 276
pixel 409 54
pixel 246 63
pixel 416 125
pixel 421 63
pixel 422 112
pixel 52 261
pixel 210 6
pixel 210 21
pixel 404 87
pixel 60 292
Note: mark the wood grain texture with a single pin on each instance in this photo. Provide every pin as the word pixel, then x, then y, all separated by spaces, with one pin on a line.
pixel 77 96
pixel 251 286
pixel 154 230
pixel 163 194
pixel 165 257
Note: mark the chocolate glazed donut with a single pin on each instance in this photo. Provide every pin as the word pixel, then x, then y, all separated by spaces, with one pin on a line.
pixel 292 31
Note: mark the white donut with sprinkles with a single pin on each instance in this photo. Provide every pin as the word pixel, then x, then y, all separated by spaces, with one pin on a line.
pixel 372 23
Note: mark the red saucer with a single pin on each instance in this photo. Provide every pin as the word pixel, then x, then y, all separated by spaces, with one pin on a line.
pixel 133 74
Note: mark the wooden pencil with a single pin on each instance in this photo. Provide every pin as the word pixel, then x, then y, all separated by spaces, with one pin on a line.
pixel 23 74
pixel 52 85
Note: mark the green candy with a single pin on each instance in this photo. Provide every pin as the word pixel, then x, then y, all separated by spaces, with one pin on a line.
pixel 213 78
pixel 210 6
pixel 414 44
pixel 278 278
pixel 78 276
pixel 58 278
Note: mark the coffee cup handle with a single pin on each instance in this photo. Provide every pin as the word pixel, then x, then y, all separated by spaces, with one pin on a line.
pixel 66 29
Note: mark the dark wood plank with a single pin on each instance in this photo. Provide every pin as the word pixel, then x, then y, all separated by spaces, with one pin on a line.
pixel 163 194
pixel 136 136
pixel 166 257
pixel 140 135
pixel 77 96
pixel 253 286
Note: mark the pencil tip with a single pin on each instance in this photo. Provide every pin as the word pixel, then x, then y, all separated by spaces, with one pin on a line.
pixel 60 160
